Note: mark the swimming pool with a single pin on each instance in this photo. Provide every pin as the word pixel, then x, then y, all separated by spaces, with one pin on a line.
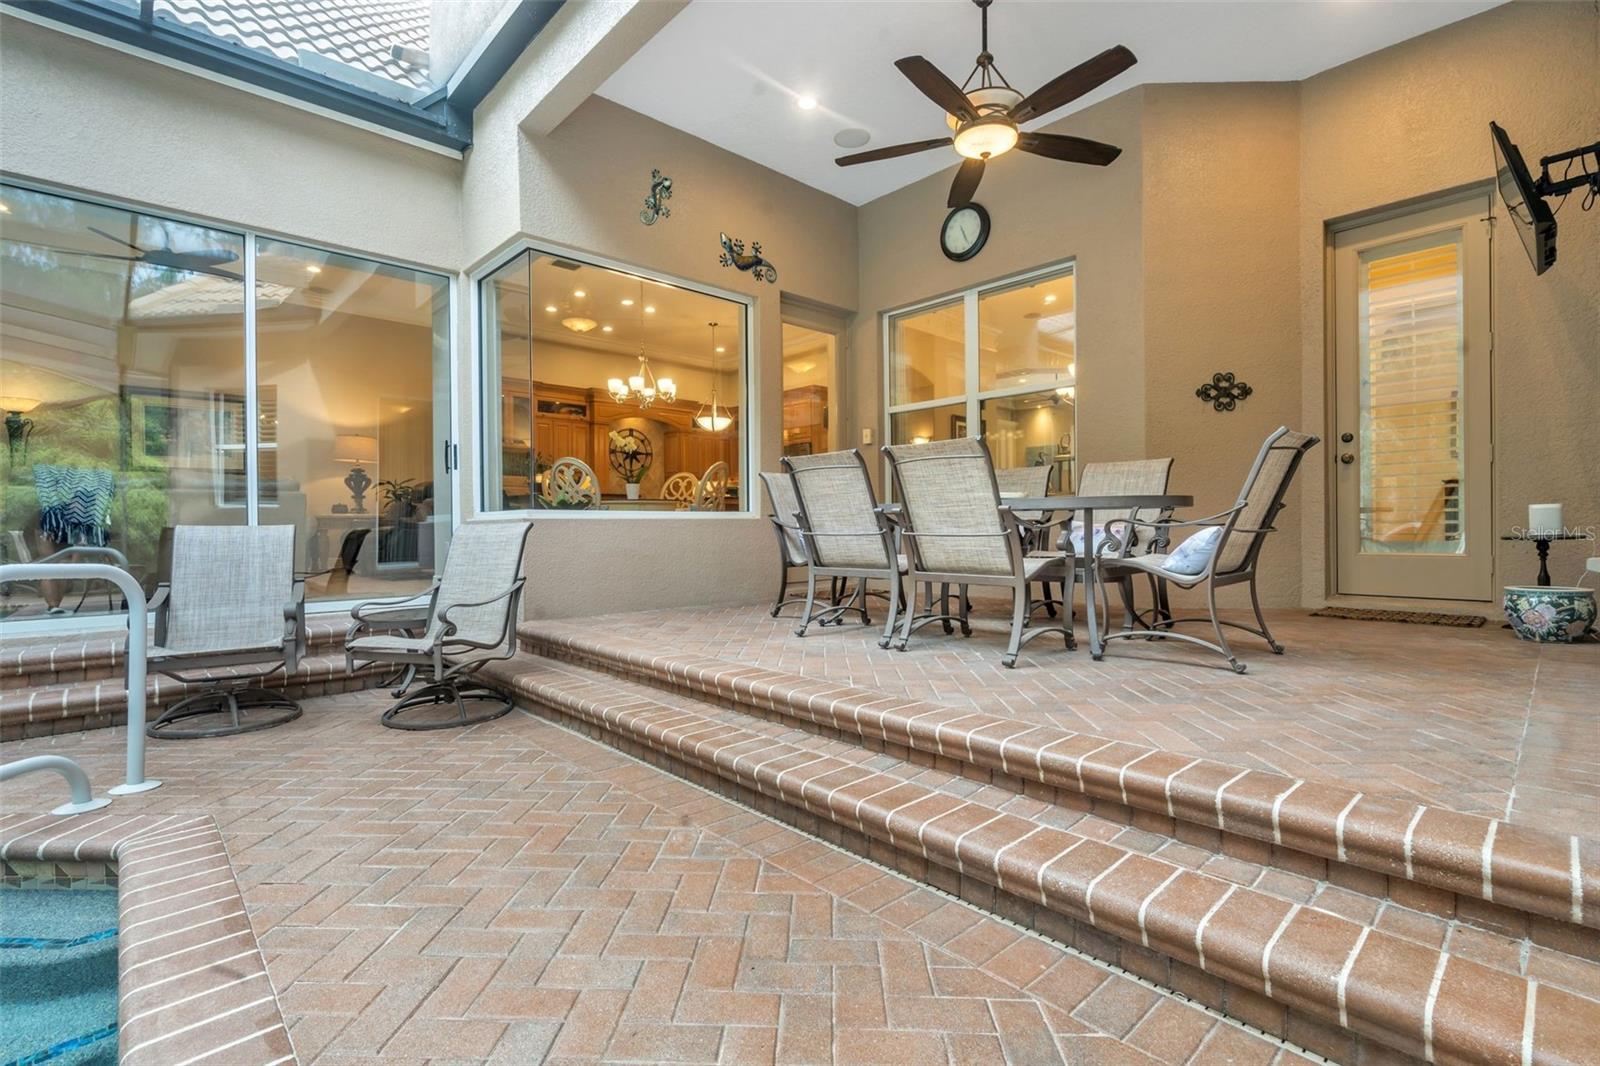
pixel 58 976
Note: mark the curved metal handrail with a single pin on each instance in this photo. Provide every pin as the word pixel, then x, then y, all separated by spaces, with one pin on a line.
pixel 134 593
pixel 77 780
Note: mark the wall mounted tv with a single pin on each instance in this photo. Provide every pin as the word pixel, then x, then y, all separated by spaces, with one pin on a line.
pixel 1524 195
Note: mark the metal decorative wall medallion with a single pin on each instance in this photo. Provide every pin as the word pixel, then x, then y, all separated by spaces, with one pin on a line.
pixel 734 255
pixel 1222 392
pixel 655 205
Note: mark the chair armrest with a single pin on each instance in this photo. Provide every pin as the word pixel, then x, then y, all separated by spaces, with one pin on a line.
pixel 361 612
pixel 447 634
pixel 88 550
pixel 159 605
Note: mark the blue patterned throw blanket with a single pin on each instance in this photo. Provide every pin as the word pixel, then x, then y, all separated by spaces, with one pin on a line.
pixel 74 504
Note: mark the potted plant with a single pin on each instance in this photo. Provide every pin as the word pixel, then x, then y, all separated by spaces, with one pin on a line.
pixel 630 455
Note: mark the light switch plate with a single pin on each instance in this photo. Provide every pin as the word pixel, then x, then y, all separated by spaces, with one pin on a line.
pixel 866 435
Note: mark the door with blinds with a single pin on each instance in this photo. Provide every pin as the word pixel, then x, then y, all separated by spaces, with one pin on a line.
pixel 1411 405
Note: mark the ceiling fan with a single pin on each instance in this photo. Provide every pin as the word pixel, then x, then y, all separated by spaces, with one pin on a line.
pixel 208 261
pixel 986 114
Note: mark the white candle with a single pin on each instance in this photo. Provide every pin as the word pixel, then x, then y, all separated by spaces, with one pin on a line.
pixel 1544 518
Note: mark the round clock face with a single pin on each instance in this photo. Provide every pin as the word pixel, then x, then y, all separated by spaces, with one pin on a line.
pixel 965 231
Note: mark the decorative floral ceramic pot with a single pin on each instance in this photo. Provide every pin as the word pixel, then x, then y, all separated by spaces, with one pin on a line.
pixel 1550 614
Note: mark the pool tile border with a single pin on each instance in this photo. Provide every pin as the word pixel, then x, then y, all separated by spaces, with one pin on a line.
pixel 192 984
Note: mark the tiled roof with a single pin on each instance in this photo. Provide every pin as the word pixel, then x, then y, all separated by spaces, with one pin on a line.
pixel 358 33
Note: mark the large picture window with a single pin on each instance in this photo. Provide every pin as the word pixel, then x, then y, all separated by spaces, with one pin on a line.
pixel 143 390
pixel 1000 360
pixel 605 390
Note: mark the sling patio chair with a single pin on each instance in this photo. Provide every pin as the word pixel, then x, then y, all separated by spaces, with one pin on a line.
pixel 1135 477
pixel 1030 481
pixel 1223 550
pixel 958 532
pixel 232 614
pixel 844 535
pixel 468 618
pixel 786 527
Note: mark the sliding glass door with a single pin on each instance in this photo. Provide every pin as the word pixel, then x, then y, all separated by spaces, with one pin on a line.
pixel 137 397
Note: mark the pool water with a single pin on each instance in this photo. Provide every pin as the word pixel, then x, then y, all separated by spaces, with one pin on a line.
pixel 58 976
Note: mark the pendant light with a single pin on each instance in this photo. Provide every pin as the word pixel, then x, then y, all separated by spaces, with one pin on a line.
pixel 642 385
pixel 711 416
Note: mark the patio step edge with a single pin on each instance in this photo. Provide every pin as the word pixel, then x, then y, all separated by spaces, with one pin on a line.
pixel 103 703
pixel 1325 969
pixel 1508 877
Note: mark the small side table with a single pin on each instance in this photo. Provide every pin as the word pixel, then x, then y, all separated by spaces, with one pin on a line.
pixel 1541 541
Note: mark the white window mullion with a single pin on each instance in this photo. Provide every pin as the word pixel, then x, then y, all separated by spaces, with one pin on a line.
pixel 969 316
pixel 252 416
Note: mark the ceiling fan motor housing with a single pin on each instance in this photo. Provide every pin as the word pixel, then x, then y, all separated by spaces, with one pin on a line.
pixel 995 100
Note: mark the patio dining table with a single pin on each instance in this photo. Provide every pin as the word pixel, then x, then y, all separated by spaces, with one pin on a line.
pixel 1085 507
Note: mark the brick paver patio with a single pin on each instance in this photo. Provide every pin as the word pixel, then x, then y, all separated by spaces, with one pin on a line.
pixel 514 892
pixel 1469 719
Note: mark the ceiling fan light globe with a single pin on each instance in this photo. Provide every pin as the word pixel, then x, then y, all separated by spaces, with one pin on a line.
pixel 986 138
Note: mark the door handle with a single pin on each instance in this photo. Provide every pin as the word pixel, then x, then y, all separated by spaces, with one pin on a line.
pixel 1347 458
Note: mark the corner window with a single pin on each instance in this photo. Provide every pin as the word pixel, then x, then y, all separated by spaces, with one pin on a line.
pixel 1001 361
pixel 609 391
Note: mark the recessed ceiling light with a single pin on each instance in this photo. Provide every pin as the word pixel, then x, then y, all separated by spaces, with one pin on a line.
pixel 627 303
pixel 313 270
pixel 605 329
pixel 5 209
pixel 579 294
pixel 649 309
pixel 720 349
pixel 1050 298
pixel 550 308
pixel 806 103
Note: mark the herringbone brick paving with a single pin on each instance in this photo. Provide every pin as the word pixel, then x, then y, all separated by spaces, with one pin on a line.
pixel 514 893
pixel 1469 719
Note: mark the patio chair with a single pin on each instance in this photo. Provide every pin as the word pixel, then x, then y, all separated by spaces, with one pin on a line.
pixel 786 528
pixel 843 535
pixel 1029 481
pixel 1229 558
pixel 1127 477
pixel 681 488
pixel 233 604
pixel 570 485
pixel 468 618
pixel 712 492
pixel 959 533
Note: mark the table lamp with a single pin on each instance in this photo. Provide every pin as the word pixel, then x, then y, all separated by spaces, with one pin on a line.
pixel 356 448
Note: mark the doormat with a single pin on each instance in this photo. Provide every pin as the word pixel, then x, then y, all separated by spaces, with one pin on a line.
pixel 1421 618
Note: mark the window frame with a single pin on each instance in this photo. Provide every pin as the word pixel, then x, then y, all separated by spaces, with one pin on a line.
pixel 971 396
pixel 750 417
pixel 250 236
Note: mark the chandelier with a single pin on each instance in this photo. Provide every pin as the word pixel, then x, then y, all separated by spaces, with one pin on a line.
pixel 711 416
pixel 642 385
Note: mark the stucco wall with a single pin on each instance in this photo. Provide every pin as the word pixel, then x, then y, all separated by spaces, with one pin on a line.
pixel 582 187
pixel 85 116
pixel 1413 120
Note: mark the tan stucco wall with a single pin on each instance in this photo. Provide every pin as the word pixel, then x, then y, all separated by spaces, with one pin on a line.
pixel 1413 120
pixel 1201 250
pixel 85 116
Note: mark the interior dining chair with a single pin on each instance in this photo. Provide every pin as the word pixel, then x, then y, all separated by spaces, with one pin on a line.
pixel 712 492
pixel 680 489
pixel 570 484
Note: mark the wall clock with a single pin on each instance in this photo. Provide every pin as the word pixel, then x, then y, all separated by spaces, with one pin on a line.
pixel 964 233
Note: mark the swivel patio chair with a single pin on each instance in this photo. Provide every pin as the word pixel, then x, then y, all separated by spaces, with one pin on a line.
pixel 1030 481
pixel 959 533
pixel 232 614
pixel 681 488
pixel 712 492
pixel 467 619
pixel 843 535
pixel 786 528
pixel 1229 558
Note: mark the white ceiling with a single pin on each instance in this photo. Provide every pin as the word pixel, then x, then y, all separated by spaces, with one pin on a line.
pixel 730 72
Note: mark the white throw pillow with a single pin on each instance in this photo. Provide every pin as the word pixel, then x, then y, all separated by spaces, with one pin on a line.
pixel 1193 554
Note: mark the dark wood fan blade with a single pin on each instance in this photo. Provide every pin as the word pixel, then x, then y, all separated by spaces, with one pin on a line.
pixel 1070 149
pixel 936 87
pixel 1065 88
pixel 118 240
pixel 892 151
pixel 966 183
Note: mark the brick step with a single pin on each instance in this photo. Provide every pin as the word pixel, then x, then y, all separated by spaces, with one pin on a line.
pixel 1340 986
pixel 1500 877
pixel 40 662
pixel 98 704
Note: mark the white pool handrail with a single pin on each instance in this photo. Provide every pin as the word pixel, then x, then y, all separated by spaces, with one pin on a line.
pixel 77 780
pixel 137 611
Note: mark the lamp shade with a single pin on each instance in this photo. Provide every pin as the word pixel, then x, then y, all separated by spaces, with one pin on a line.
pixel 355 448
pixel 19 404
